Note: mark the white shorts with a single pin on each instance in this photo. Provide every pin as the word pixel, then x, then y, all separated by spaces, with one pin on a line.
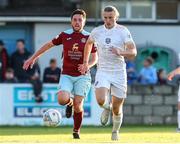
pixel 116 82
pixel 179 94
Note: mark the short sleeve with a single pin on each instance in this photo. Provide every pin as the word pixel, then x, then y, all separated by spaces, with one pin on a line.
pixel 58 39
pixel 127 36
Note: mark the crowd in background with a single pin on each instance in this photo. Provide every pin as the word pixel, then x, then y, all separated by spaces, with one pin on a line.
pixel 11 70
pixel 148 74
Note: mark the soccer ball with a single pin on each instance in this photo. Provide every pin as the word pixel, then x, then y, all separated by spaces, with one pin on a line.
pixel 52 117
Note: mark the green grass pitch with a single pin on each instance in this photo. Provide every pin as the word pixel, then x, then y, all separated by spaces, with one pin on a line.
pixel 89 134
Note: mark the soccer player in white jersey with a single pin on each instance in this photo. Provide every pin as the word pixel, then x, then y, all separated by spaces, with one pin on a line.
pixel 170 76
pixel 114 42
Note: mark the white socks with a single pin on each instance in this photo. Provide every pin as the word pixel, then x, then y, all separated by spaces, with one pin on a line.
pixel 117 121
pixel 178 118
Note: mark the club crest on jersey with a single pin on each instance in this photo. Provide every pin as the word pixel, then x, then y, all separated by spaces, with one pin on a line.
pixel 108 40
pixel 83 40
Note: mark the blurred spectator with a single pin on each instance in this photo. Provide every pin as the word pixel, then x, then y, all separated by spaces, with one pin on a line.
pixel 31 75
pixel 93 73
pixel 162 78
pixel 148 74
pixel 52 73
pixel 3 61
pixel 131 72
pixel 9 76
pixel 36 82
pixel 17 60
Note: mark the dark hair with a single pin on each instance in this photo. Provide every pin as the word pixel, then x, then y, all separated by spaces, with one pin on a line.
pixel 160 70
pixel 79 11
pixel 21 40
pixel 149 60
pixel 10 70
pixel 1 43
pixel 52 60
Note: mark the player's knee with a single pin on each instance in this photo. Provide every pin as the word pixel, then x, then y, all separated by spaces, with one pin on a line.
pixel 100 101
pixel 62 101
pixel 78 109
pixel 63 98
pixel 78 106
pixel 116 110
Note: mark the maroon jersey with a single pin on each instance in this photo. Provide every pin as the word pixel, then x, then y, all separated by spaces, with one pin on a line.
pixel 73 50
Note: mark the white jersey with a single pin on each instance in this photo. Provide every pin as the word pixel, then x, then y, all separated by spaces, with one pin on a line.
pixel 179 94
pixel 105 39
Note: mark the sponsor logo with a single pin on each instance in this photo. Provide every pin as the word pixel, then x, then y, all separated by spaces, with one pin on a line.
pixel 25 105
pixel 69 38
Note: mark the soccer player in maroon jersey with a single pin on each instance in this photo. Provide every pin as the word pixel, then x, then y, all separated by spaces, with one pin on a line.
pixel 72 82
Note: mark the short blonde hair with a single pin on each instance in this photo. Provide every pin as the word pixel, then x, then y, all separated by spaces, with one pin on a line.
pixel 110 9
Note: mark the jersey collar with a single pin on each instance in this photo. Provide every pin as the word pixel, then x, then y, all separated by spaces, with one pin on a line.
pixel 111 28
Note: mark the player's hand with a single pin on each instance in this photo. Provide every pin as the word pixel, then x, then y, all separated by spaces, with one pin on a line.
pixel 170 75
pixel 34 77
pixel 28 63
pixel 115 51
pixel 83 68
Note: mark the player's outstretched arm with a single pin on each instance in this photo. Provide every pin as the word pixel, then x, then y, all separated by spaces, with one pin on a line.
pixel 30 62
pixel 173 73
